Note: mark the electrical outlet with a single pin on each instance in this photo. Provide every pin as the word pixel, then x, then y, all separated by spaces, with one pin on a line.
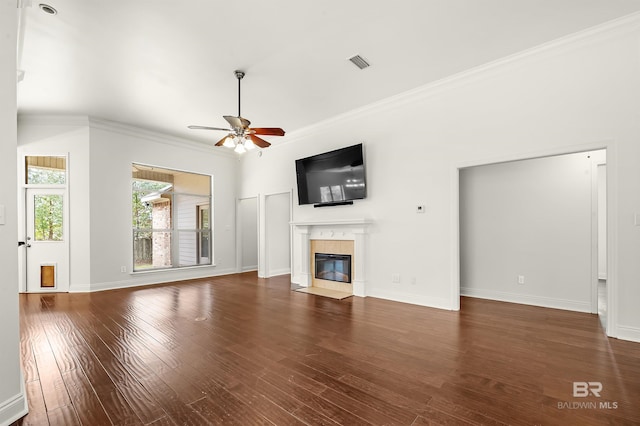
pixel 395 278
pixel 123 269
pixel 413 280
pixel 520 279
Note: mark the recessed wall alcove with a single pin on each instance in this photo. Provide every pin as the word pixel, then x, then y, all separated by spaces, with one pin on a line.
pixel 339 237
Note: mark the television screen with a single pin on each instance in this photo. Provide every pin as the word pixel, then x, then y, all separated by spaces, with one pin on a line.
pixel 335 177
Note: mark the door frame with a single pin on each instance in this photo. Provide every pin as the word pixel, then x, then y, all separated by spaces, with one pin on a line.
pixel 22 213
pixel 595 236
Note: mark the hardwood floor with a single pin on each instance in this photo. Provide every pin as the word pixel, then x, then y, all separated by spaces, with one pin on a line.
pixel 242 350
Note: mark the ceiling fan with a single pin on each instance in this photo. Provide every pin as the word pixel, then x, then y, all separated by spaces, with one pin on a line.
pixel 241 137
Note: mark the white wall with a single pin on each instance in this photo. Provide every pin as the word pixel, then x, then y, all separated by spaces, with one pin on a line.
pixel 581 92
pixel 533 219
pixel 100 158
pixel 113 149
pixel 13 402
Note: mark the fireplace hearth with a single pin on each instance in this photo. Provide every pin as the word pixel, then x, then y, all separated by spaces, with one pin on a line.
pixel 333 267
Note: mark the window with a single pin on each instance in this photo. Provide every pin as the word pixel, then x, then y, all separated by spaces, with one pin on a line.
pixel 48 217
pixel 170 218
pixel 42 170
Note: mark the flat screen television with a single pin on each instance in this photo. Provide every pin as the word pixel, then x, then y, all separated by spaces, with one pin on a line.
pixel 332 178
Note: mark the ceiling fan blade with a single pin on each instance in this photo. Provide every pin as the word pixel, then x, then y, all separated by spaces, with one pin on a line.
pixel 259 141
pixel 268 131
pixel 237 122
pixel 208 128
pixel 221 141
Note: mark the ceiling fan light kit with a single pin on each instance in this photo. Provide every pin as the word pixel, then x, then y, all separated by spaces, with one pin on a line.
pixel 229 142
pixel 240 149
pixel 241 137
pixel 239 144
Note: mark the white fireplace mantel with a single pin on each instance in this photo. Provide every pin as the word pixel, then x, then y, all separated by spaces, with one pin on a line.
pixel 355 230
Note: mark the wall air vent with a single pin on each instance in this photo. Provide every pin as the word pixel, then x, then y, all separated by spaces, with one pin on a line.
pixel 359 61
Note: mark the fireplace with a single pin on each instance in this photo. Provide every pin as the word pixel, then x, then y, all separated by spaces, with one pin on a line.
pixel 333 267
pixel 349 236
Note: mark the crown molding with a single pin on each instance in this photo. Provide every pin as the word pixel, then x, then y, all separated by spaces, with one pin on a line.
pixel 53 120
pixel 121 128
pixel 616 27
pixel 154 136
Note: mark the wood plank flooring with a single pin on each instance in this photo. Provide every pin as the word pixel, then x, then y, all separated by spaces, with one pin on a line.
pixel 246 351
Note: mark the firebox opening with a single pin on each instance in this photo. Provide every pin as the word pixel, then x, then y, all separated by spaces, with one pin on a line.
pixel 333 267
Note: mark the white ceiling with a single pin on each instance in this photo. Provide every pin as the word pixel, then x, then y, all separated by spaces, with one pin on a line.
pixel 165 64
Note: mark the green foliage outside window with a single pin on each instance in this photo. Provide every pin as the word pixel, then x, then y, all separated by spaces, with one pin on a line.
pixel 142 212
pixel 42 176
pixel 48 217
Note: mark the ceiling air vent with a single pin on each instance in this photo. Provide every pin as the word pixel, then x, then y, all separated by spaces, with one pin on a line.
pixel 359 61
pixel 50 10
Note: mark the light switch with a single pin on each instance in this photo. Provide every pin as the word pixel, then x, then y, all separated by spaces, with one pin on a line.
pixel 2 214
pixel 636 221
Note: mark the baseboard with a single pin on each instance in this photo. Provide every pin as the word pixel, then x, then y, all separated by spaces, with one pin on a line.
pixel 152 278
pixel 249 268
pixel 525 299
pixel 301 280
pixel 412 299
pixel 277 272
pixel 79 288
pixel 15 407
pixel 631 334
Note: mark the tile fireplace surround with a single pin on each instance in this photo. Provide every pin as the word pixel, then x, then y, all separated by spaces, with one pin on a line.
pixel 304 232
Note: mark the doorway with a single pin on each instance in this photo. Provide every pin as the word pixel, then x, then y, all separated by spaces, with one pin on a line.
pixel 45 223
pixel 528 231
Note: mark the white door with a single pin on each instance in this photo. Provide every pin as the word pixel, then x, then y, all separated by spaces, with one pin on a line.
pixel 248 218
pixel 47 252
pixel 277 234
